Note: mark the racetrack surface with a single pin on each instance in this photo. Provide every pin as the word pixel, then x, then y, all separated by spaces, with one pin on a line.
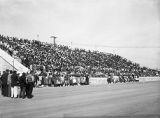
pixel 122 99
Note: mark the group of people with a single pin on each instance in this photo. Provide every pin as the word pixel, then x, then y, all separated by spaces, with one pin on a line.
pixel 16 86
pixel 35 54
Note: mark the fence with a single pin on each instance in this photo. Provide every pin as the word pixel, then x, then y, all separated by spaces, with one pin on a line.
pixel 102 81
pixel 147 79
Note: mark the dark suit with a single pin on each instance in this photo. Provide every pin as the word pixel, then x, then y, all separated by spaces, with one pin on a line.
pixel 14 80
pixel 87 79
pixel 22 81
pixel 4 78
pixel 30 85
pixel 14 85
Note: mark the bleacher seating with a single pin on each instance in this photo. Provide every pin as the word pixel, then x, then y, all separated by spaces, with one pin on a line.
pixel 39 55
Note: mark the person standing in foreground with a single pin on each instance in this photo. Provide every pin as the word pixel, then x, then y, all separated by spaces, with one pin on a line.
pixel 30 85
pixel 87 79
pixel 4 78
pixel 9 83
pixel 14 85
pixel 50 79
pixel 1 80
pixel 22 81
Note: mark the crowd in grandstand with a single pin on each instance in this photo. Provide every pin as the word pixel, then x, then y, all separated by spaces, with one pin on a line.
pixel 38 55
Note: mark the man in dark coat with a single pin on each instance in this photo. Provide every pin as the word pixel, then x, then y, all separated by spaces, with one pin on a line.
pixel 4 78
pixel 30 85
pixel 87 79
pixel 22 82
pixel 14 84
pixel 2 86
pixel 9 83
pixel 109 79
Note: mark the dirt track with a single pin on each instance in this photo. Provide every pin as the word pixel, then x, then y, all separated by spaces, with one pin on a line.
pixel 129 99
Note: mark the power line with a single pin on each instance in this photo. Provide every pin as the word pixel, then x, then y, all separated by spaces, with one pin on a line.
pixel 130 46
pixel 109 46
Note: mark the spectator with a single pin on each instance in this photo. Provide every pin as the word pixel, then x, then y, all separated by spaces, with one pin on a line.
pixel 14 85
pixel 50 79
pixel 22 81
pixel 30 85
pixel 4 78
pixel 9 83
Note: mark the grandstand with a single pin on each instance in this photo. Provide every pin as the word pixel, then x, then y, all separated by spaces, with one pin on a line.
pixel 37 55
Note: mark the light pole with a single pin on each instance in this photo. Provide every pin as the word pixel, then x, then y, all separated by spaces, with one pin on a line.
pixel 54 40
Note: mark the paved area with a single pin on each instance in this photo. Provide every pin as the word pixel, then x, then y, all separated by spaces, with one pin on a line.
pixel 116 100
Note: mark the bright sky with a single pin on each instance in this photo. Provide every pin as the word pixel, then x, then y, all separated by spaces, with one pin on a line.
pixel 111 26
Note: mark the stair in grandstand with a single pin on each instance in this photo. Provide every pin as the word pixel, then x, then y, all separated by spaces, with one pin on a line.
pixel 8 62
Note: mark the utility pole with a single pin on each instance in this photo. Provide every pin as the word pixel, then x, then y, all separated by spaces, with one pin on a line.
pixel 54 40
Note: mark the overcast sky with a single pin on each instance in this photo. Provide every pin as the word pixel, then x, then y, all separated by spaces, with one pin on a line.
pixel 112 26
